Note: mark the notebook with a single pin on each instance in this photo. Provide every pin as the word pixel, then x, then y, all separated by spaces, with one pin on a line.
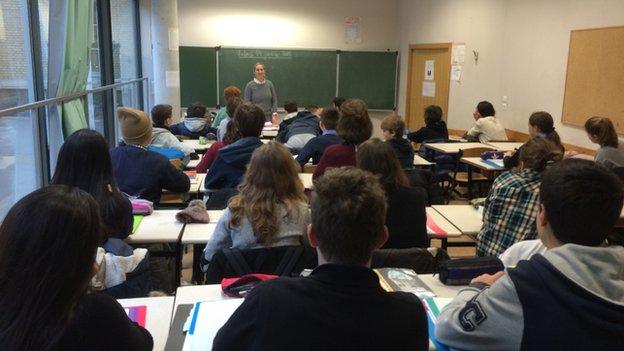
pixel 205 320
pixel 403 279
pixel 136 220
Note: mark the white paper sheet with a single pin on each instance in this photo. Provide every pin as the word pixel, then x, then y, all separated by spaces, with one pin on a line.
pixel 429 69
pixel 428 89
pixel 172 79
pixel 456 71
pixel 458 54
pixel 353 30
pixel 211 317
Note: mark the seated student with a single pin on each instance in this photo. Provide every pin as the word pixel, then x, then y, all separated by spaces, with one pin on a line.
pixel 48 241
pixel 354 127
pixel 406 218
pixel 231 162
pixel 140 172
pixel 301 129
pixel 568 298
pixel 393 127
pixel 291 110
pixel 84 162
pixel 316 146
pixel 231 135
pixel 434 129
pixel 540 125
pixel 512 204
pixel 271 209
pixel 162 137
pixel 228 94
pixel 195 123
pixel 231 107
pixel 341 305
pixel 600 131
pixel 486 127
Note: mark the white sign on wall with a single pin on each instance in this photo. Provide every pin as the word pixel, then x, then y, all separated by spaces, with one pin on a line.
pixel 353 30
pixel 429 69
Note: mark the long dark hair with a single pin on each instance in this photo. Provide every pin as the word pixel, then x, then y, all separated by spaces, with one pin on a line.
pixel 602 128
pixel 544 122
pixel 380 159
pixel 84 162
pixel 48 242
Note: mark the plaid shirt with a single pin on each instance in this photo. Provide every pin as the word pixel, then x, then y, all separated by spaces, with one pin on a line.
pixel 510 211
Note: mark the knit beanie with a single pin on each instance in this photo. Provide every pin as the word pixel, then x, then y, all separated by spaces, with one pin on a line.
pixel 136 127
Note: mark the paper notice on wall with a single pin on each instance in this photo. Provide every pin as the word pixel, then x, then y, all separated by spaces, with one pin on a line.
pixel 353 30
pixel 172 79
pixel 458 54
pixel 174 41
pixel 428 89
pixel 456 71
pixel 429 69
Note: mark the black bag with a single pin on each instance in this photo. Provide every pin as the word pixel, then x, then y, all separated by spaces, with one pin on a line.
pixel 462 270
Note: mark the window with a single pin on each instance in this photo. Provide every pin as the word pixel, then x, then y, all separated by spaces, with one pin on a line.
pixel 125 49
pixel 18 133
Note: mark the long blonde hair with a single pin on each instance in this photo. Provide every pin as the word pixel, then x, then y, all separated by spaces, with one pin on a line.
pixel 271 179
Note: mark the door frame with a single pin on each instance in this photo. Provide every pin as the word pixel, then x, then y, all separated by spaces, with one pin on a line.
pixel 411 49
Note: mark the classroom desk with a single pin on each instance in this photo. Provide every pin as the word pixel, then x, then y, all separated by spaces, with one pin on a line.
pixel 193 163
pixel 265 141
pixel 306 179
pixel 481 164
pixel 161 227
pixel 270 132
pixel 419 161
pixel 157 316
pixel 453 148
pixel 505 145
pixel 200 233
pixel 197 184
pixel 436 223
pixel 465 217
pixel 194 143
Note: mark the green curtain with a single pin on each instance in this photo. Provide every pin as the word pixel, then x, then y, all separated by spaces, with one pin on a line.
pixel 76 57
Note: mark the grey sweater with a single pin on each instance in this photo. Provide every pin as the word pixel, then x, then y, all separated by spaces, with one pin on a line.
pixel 291 228
pixel 610 156
pixel 262 95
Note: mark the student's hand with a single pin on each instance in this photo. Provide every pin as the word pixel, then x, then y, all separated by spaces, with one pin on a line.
pixel 275 118
pixel 488 278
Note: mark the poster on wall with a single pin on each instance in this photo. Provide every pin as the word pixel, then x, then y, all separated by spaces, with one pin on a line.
pixel 353 30
pixel 458 54
pixel 428 89
pixel 429 68
pixel 456 71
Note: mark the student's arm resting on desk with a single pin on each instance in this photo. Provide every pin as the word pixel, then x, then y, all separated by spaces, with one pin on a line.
pixel 214 178
pixel 482 318
pixel 475 130
pixel 239 332
pixel 305 154
pixel 174 180
pixel 221 238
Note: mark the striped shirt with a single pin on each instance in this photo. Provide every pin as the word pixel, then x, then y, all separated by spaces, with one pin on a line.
pixel 510 211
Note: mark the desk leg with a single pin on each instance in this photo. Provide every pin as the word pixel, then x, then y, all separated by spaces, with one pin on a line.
pixel 469 182
pixel 198 277
pixel 178 265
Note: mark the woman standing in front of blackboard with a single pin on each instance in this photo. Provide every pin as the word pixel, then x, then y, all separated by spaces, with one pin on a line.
pixel 261 92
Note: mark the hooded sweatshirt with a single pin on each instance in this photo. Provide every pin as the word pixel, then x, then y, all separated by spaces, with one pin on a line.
pixel 228 168
pixel 569 298
pixel 404 152
pixel 162 137
pixel 191 127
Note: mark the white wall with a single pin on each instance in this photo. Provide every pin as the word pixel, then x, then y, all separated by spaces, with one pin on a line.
pixel 537 36
pixel 523 50
pixel 477 23
pixel 286 23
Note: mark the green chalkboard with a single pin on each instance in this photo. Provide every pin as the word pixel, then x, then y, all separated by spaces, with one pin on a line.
pixel 370 76
pixel 304 76
pixel 198 75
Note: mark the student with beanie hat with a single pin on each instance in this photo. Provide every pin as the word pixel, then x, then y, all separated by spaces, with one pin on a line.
pixel 140 172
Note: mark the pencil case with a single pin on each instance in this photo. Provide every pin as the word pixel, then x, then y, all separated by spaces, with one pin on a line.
pixel 461 271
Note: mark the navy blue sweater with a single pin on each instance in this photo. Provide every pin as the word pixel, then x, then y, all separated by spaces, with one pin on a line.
pixel 228 168
pixel 303 123
pixel 145 173
pixel 316 147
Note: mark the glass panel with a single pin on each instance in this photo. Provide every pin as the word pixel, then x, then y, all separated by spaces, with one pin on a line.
pixel 95 79
pixel 44 29
pixel 96 100
pixel 15 63
pixel 18 159
pixel 125 46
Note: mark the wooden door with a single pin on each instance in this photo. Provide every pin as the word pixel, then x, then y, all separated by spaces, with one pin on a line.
pixel 429 75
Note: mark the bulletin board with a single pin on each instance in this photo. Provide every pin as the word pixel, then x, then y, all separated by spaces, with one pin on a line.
pixel 595 76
